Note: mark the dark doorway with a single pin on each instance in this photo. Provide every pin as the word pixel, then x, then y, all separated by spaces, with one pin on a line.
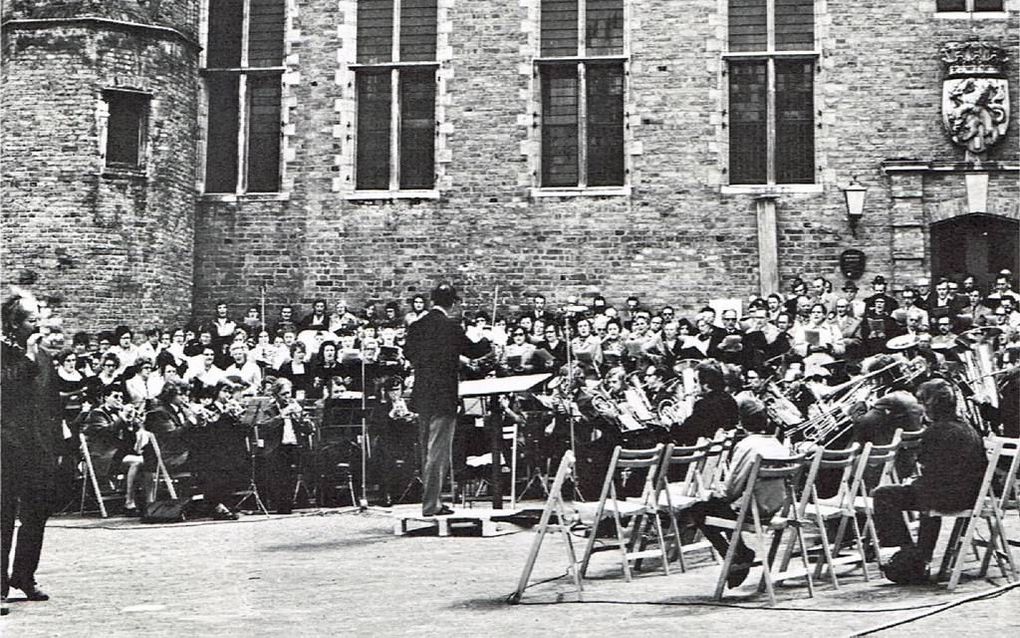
pixel 979 245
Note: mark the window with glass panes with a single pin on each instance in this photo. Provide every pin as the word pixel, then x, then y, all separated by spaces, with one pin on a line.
pixel 243 76
pixel 770 71
pixel 969 6
pixel 581 90
pixel 395 83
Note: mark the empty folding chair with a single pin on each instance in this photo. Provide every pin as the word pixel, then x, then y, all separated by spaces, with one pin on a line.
pixel 629 540
pixel 674 496
pixel 850 462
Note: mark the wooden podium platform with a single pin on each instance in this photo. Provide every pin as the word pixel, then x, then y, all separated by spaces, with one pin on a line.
pixel 407 519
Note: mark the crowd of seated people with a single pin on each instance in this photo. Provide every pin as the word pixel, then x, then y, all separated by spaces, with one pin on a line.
pixel 111 381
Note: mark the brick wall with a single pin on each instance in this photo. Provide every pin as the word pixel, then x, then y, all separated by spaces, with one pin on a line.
pixel 115 245
pixel 675 238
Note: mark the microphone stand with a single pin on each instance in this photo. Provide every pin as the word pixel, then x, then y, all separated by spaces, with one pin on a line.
pixel 570 406
pixel 363 505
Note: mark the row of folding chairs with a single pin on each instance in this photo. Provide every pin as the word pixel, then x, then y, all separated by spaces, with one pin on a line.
pixel 678 477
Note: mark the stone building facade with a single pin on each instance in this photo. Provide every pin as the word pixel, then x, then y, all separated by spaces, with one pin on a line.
pixel 677 150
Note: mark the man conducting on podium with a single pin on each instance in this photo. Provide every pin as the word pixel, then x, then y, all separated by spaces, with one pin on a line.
pixel 434 346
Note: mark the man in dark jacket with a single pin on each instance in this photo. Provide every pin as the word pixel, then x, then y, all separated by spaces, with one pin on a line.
pixel 715 409
pixel 952 459
pixel 434 346
pixel 31 429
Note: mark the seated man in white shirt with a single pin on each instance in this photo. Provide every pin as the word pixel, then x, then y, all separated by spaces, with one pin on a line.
pixel 759 442
pixel 203 368
pixel 248 373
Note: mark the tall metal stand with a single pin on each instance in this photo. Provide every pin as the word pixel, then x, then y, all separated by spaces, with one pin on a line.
pixel 570 407
pixel 366 449
pixel 252 491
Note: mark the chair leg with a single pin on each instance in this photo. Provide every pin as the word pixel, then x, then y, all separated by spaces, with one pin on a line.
pixel 861 550
pixel 968 535
pixel 951 548
pixel 662 542
pixel 766 566
pixel 621 541
pixel 572 557
pixel 727 562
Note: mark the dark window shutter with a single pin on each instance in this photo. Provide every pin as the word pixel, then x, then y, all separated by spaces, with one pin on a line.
pixel 263 133
pixel 748 122
pixel 795 140
pixel 748 27
pixel 266 21
pixel 795 25
pixel 125 130
pixel 226 18
pixel 605 124
pixel 221 144
pixel 604 27
pixel 418 30
pixel 375 31
pixel 559 28
pixel 559 125
pixel 417 128
pixel 373 153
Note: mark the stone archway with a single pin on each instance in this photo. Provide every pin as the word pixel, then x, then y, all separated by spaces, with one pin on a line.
pixel 977 244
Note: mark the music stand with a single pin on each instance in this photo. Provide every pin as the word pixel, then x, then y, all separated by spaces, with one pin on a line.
pixel 363 505
pixel 493 388
pixel 255 406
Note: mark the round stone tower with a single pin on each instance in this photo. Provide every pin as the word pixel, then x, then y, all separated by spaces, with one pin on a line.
pixel 98 177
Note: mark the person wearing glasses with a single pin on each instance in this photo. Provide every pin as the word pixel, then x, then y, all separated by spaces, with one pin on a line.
pixel 108 375
pixel 519 355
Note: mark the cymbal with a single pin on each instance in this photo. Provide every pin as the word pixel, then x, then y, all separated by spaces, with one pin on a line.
pixel 901 342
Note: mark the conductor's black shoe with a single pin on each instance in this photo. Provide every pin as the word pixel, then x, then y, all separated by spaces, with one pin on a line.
pixel 221 513
pixel 32 592
pixel 442 511
pixel 132 512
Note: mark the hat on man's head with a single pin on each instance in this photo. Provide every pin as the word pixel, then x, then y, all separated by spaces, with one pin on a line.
pixel 848 286
pixel 445 295
pixel 879 280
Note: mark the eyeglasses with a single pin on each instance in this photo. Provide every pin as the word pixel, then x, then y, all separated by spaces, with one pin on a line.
pixel 109 365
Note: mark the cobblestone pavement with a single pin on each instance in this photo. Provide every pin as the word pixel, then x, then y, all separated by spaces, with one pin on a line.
pixel 346 574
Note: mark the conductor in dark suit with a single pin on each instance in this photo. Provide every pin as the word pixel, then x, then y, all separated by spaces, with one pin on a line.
pixel 434 346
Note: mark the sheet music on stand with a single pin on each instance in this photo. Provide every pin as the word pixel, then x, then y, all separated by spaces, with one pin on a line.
pixel 492 387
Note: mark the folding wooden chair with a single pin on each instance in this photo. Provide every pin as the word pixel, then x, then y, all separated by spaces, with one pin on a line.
pixel 553 505
pixel 628 541
pixel 161 472
pixel 878 458
pixel 986 507
pixel 851 462
pixel 910 442
pixel 789 471
pixel 675 496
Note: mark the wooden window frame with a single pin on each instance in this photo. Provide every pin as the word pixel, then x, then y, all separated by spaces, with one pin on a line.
pixel 395 66
pixel 243 72
pixel 582 61
pixel 770 55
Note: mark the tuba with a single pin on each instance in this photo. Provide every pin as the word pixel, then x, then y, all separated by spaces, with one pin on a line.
pixel 672 411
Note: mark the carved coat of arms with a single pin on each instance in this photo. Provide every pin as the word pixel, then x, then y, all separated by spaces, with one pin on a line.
pixel 975 95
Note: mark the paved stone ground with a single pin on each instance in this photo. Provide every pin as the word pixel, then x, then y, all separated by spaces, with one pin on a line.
pixel 333 573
